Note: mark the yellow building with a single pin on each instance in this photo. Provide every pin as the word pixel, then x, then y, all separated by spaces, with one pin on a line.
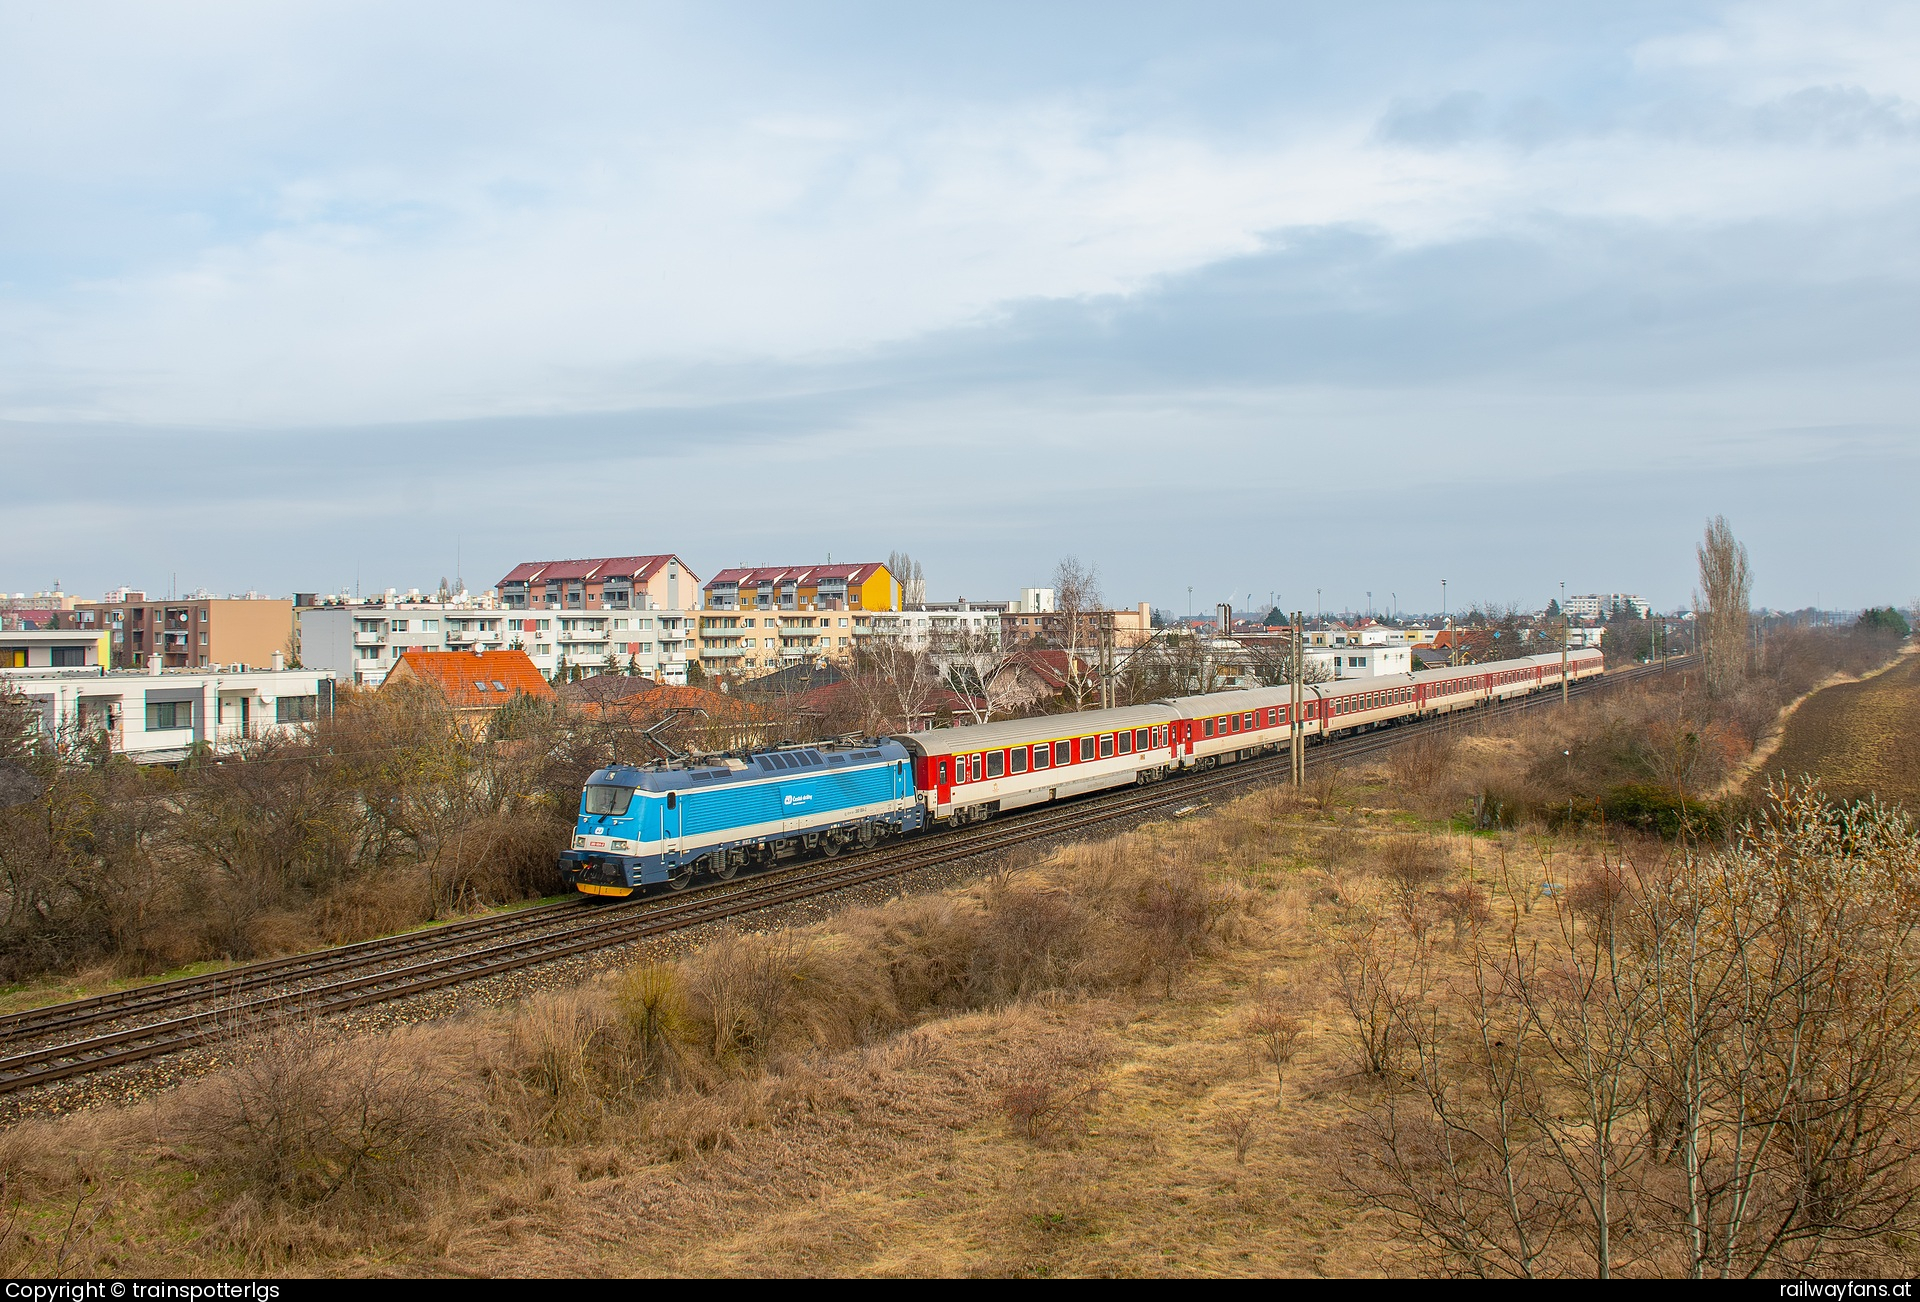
pixel 759 619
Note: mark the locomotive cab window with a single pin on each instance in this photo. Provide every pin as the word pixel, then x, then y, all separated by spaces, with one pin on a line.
pixel 996 762
pixel 673 799
pixel 1017 761
pixel 607 801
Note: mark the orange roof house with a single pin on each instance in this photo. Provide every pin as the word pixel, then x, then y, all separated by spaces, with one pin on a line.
pixel 472 680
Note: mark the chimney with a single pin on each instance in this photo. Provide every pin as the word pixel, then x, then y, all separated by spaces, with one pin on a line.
pixel 279 661
pixel 153 664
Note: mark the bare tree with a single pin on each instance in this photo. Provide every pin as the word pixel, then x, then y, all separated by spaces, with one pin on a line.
pixel 1726 589
pixel 912 579
pixel 1077 602
pixel 894 682
pixel 983 674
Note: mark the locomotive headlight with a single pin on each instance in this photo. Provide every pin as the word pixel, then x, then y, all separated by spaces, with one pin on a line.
pixel 579 842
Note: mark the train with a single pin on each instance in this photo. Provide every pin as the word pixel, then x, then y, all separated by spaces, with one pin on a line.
pixel 666 823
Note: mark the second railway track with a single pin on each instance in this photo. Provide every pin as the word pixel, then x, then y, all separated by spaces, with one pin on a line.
pixel 167 1017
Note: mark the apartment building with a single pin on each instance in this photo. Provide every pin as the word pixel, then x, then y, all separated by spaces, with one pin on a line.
pixel 195 632
pixel 1132 625
pixel 868 586
pixel 361 643
pixel 1600 605
pixel 750 642
pixel 601 583
pixel 153 717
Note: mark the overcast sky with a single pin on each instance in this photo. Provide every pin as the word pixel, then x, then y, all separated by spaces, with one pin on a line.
pixel 1243 299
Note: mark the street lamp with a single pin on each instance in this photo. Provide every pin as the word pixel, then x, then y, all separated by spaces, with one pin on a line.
pixel 1443 603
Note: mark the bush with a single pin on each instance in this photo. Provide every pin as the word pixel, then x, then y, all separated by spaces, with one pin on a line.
pixel 1651 808
pixel 305 1119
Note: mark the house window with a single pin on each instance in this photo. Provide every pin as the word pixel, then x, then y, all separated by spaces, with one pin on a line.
pixel 296 709
pixel 163 716
pixel 399 625
pixel 69 657
pixel 203 637
pixel 995 762
pixel 429 626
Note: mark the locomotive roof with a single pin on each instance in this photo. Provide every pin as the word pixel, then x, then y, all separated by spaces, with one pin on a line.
pixel 1045 727
pixel 748 768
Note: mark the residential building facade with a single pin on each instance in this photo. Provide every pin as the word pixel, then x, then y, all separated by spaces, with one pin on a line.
pixel 65 648
pixel 1600 605
pixel 197 632
pixel 362 643
pixel 869 586
pixel 153 717
pixel 601 583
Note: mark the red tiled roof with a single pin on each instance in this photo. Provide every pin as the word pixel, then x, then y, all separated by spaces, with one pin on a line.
pixel 460 674
pixel 638 568
pixel 758 574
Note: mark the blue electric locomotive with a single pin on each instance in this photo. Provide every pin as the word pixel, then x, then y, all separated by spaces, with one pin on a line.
pixel 665 823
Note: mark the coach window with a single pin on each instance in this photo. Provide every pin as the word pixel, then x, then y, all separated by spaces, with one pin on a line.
pixel 995 764
pixel 1106 746
pixel 1248 720
pixel 1017 761
pixel 1126 743
pixel 976 768
pixel 1042 755
pixel 1206 728
pixel 959 769
pixel 1062 753
pixel 1087 749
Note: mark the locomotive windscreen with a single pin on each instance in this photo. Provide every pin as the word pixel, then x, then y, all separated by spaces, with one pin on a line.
pixel 607 799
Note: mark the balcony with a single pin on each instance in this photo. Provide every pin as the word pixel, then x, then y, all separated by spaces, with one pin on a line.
pixel 369 639
pixel 582 635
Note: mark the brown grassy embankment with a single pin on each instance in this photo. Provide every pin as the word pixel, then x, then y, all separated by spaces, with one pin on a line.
pixel 1312 1035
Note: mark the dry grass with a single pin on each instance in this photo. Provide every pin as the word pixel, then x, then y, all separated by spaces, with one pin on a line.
pixel 1141 1056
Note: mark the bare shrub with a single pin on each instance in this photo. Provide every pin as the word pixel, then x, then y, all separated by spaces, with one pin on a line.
pixel 1466 907
pixel 1711 1073
pixel 1276 1031
pixel 1047 1089
pixel 307 1119
pixel 1373 969
pixel 1243 1129
pixel 1328 783
pixel 1033 938
pixel 1417 765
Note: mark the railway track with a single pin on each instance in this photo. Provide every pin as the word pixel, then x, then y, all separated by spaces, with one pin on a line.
pixel 36 1045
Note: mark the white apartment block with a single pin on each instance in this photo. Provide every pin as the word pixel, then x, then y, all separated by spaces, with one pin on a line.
pixel 159 718
pixel 360 643
pixel 1599 605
